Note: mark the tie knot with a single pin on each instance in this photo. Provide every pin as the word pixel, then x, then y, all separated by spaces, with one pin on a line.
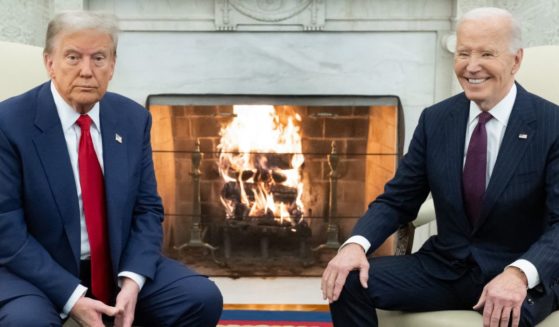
pixel 84 122
pixel 484 117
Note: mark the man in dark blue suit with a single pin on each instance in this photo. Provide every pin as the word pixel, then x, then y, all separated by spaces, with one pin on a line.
pixel 49 244
pixel 490 158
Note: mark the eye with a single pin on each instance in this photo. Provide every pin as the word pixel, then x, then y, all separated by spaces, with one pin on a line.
pixel 72 58
pixel 462 54
pixel 99 59
pixel 487 54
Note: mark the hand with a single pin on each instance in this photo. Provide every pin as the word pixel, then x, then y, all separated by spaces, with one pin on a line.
pixel 502 297
pixel 126 302
pixel 89 312
pixel 350 257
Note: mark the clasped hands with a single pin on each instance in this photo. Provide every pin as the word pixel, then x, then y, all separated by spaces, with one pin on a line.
pixel 501 299
pixel 89 312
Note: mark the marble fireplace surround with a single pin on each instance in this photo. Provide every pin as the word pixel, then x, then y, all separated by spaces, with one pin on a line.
pixel 320 47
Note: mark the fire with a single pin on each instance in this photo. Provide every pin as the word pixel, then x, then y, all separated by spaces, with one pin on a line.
pixel 260 159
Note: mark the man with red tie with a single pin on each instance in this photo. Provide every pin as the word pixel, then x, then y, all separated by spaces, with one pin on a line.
pixel 490 158
pixel 80 217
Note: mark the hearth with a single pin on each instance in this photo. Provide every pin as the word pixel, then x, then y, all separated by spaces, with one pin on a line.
pixel 269 184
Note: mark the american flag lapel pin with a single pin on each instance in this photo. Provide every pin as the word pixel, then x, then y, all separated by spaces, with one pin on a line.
pixel 118 138
pixel 522 136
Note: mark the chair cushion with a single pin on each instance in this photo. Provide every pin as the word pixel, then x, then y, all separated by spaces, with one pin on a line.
pixel 454 318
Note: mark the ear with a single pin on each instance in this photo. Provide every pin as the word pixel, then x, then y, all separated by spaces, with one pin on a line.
pixel 112 67
pixel 517 60
pixel 47 60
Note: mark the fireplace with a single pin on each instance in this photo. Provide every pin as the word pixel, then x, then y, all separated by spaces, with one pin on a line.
pixel 269 185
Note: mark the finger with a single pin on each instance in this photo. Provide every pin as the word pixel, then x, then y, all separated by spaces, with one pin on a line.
pixel 481 302
pixel 330 286
pixel 128 319
pixel 505 316
pixel 487 310
pixel 329 283
pixel 324 281
pixel 118 321
pixel 495 316
pixel 108 310
pixel 515 316
pixel 364 275
pixel 339 285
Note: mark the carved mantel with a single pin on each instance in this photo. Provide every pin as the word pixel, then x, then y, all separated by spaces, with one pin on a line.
pixel 306 15
pixel 279 15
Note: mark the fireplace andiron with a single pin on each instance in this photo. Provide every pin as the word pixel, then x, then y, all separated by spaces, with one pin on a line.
pixel 196 231
pixel 332 231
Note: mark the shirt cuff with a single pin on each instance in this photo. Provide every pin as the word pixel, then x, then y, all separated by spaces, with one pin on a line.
pixel 139 279
pixel 76 295
pixel 529 270
pixel 358 239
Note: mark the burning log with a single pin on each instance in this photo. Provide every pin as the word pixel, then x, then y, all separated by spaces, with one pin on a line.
pixel 260 157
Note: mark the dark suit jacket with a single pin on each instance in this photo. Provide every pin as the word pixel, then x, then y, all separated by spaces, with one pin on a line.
pixel 520 212
pixel 39 211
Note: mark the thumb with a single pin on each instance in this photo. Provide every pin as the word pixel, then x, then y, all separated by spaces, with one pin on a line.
pixel 364 275
pixel 108 310
pixel 481 302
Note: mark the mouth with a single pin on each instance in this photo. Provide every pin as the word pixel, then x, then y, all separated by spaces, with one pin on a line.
pixel 476 81
pixel 85 87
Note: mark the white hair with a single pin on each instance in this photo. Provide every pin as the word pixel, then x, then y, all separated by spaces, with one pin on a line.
pixel 485 13
pixel 73 21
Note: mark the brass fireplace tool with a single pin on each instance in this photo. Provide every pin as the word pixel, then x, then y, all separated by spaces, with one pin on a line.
pixel 332 230
pixel 196 230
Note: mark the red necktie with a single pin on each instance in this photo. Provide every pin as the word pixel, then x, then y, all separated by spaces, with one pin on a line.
pixel 475 169
pixel 93 198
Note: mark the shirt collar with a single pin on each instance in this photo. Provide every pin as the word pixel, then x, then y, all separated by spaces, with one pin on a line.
pixel 68 115
pixel 501 112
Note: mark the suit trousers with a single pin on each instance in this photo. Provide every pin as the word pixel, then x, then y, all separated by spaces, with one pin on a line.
pixel 403 283
pixel 189 300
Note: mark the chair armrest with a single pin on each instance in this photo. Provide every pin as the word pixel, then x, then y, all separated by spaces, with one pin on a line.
pixel 426 213
pixel 404 235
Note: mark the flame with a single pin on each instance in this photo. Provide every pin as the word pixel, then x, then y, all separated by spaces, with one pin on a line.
pixel 260 155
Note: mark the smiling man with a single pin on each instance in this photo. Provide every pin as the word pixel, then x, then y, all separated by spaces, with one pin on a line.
pixel 80 217
pixel 490 158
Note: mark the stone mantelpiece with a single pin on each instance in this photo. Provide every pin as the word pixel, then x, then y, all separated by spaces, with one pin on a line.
pixel 279 15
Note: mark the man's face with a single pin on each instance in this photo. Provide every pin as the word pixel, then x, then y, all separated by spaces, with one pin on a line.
pixel 483 63
pixel 81 65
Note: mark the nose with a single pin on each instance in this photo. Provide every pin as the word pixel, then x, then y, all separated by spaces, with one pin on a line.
pixel 473 64
pixel 85 67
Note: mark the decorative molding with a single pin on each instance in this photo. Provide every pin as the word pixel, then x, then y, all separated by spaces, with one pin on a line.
pixel 308 15
pixel 61 5
pixel 539 19
pixel 277 15
pixel 24 21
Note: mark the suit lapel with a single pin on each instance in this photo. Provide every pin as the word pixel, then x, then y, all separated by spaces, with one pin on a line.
pixel 455 131
pixel 51 147
pixel 116 170
pixel 511 151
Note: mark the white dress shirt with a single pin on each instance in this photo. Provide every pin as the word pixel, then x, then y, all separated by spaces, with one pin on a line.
pixel 495 128
pixel 72 133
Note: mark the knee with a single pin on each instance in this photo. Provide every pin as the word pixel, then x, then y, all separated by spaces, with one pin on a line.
pixel 210 304
pixel 205 304
pixel 352 283
pixel 30 314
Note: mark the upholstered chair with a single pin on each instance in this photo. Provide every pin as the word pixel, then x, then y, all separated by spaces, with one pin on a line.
pixel 539 74
pixel 22 68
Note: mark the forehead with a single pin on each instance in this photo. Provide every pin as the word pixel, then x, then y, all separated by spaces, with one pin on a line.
pixel 482 33
pixel 84 41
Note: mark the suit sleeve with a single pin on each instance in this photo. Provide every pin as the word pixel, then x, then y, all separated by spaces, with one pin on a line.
pixel 544 254
pixel 403 195
pixel 143 248
pixel 20 253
